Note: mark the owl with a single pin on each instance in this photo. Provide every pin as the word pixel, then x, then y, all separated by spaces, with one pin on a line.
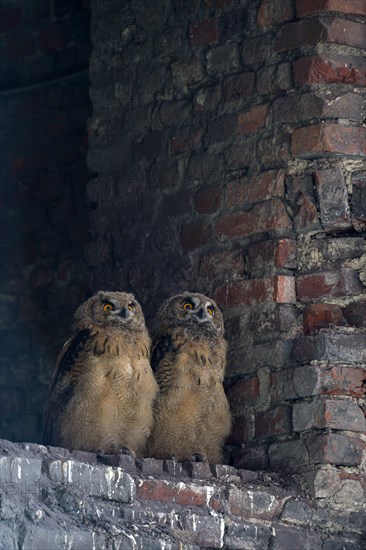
pixel 102 393
pixel 192 416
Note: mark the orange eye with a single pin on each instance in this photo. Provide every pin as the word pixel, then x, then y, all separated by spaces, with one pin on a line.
pixel 210 310
pixel 187 305
pixel 108 307
pixel 131 306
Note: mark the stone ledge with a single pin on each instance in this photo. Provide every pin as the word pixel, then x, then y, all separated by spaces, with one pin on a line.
pixel 52 498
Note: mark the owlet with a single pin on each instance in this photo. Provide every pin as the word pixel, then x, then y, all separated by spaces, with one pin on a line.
pixel 192 415
pixel 102 393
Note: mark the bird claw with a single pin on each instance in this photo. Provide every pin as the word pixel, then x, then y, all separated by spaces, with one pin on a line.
pixel 127 451
pixel 198 457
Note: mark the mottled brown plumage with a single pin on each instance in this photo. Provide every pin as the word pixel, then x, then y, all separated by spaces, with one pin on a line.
pixel 103 388
pixel 189 356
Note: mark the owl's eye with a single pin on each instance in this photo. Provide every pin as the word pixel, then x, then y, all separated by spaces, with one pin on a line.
pixel 187 305
pixel 107 307
pixel 131 306
pixel 211 310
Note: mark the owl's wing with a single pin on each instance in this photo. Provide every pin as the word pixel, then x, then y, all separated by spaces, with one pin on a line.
pixel 61 390
pixel 162 349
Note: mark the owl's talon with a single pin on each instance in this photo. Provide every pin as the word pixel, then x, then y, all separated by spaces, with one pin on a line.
pixel 198 457
pixel 127 451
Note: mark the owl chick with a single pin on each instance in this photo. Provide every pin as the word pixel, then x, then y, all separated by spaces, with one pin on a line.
pixel 102 393
pixel 192 414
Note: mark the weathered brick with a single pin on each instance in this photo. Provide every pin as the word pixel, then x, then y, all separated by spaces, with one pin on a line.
pixel 331 346
pixel 318 139
pixel 20 470
pixel 249 358
pixel 354 313
pixel 175 113
pixel 244 394
pixel 267 216
pixel 333 199
pixel 207 99
pixel 247 503
pixel 287 538
pixel 310 7
pixel 253 457
pixel 335 448
pixel 185 139
pixel 223 59
pixel 252 536
pixel 253 120
pixel 251 291
pixel 273 13
pixel 239 86
pixel 266 257
pixel 257 50
pixel 317 316
pixel 255 189
pixel 186 73
pixel 358 200
pixel 328 284
pixel 300 192
pixel 339 380
pixel 326 413
pixel 207 200
pixel 276 421
pixel 20 45
pixel 288 456
pixel 150 466
pixel 220 129
pixel 222 262
pixel 204 32
pixel 197 470
pixel 185 494
pixel 195 234
pixel 274 78
pixel 329 69
pixel 150 147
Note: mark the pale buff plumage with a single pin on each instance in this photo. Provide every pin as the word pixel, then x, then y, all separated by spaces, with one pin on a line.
pixel 189 356
pixel 103 389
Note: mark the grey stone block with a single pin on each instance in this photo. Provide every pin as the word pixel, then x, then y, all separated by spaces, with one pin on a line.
pixel 247 535
pixel 331 346
pixel 20 470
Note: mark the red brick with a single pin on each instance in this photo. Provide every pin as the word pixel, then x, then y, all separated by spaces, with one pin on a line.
pixel 267 216
pixel 278 289
pixel 341 415
pixel 220 129
pixel 205 32
pixel 165 491
pixel 185 139
pixel 240 432
pixel 335 449
pixel 195 234
pixel 222 262
pixel 333 199
pixel 272 13
pixel 300 190
pixel 239 86
pixel 275 421
pixel 329 70
pixel 11 16
pixel 51 37
pixel 253 120
pixel 317 316
pixel 20 45
pixel 207 200
pixel 318 139
pixel 328 284
pixel 339 380
pixel 264 257
pixel 310 7
pixel 244 394
pixel 256 189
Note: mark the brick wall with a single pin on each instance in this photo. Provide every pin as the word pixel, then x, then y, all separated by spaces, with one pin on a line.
pixel 228 147
pixel 51 498
pixel 44 105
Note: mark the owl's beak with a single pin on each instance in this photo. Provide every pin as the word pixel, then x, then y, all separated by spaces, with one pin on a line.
pixel 202 315
pixel 124 313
